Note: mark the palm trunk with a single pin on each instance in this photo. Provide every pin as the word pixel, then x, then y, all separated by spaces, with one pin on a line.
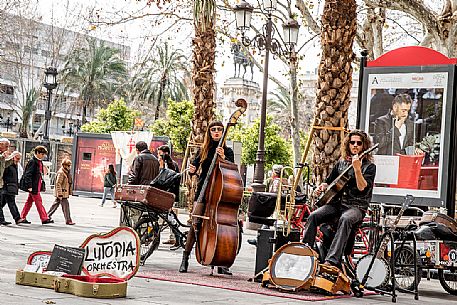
pixel 203 58
pixel 159 96
pixel 334 82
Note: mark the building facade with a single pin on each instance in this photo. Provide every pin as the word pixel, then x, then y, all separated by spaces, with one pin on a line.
pixel 27 48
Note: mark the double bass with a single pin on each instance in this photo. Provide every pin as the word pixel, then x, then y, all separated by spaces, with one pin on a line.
pixel 215 216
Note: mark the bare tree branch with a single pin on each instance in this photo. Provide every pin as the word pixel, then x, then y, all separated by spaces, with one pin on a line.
pixel 312 24
pixel 415 8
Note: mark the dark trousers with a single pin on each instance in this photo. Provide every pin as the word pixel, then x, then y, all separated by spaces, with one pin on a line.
pixel 347 218
pixel 11 201
pixel 63 202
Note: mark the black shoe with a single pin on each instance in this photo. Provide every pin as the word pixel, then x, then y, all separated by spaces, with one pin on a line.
pixel 47 221
pixel 252 242
pixel 184 262
pixel 223 270
pixel 5 223
pixel 24 221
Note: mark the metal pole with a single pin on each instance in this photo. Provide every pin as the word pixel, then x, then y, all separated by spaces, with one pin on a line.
pixel 259 169
pixel 363 64
pixel 47 117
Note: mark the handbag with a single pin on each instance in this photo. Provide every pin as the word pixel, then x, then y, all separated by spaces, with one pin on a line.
pixel 166 180
pixel 22 185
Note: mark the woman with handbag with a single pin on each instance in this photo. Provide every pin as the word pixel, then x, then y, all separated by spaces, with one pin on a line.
pixel 10 189
pixel 108 184
pixel 32 182
pixel 62 191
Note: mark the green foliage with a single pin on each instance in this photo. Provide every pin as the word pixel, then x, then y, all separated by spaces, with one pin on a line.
pixel 116 117
pixel 277 149
pixel 176 125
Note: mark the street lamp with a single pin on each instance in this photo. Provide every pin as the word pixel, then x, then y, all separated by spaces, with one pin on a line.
pixel 264 41
pixel 9 124
pixel 50 83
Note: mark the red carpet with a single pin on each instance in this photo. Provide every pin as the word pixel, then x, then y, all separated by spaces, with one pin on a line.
pixel 238 282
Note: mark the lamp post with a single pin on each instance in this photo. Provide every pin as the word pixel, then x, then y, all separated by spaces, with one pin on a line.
pixel 264 42
pixel 50 84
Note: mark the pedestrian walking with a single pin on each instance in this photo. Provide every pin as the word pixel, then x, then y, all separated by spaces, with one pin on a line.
pixel 109 183
pixel 32 182
pixel 62 191
pixel 10 189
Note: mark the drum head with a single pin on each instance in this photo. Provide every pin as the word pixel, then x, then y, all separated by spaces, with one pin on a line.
pixel 293 266
pixel 379 273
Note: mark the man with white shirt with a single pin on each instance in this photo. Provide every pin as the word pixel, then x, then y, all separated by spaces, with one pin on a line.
pixel 395 131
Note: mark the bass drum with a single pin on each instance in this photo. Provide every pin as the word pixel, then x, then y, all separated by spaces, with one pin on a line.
pixel 379 274
pixel 293 267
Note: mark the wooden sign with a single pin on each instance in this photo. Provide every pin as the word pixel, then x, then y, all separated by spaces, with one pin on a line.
pixel 66 259
pixel 115 254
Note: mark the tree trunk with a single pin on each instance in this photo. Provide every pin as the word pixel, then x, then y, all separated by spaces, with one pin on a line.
pixel 84 114
pixel 163 80
pixel 204 46
pixel 334 82
pixel 203 58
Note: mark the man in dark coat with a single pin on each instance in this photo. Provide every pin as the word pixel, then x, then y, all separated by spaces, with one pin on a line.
pixel 395 131
pixel 10 190
pixel 145 166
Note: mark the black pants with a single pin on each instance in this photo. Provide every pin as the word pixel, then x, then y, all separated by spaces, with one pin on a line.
pixel 347 217
pixel 11 201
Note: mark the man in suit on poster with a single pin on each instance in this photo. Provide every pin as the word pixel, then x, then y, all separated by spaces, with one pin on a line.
pixel 395 131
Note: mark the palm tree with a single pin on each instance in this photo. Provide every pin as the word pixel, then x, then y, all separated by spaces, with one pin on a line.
pixel 163 79
pixel 95 72
pixel 334 82
pixel 203 58
pixel 31 98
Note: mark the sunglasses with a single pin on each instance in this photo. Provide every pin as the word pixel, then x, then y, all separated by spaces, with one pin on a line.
pixel 214 129
pixel 359 143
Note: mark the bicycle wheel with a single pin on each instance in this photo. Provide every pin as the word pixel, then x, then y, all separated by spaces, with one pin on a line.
pixel 448 280
pixel 149 234
pixel 404 276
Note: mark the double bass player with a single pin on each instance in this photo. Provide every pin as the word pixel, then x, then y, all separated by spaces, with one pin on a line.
pixel 204 158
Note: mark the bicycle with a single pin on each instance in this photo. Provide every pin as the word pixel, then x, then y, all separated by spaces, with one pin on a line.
pixel 150 224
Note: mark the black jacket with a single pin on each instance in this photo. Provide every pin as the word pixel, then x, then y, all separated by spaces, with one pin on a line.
pixel 109 180
pixel 350 194
pixel 385 135
pixel 10 180
pixel 229 156
pixel 145 168
pixel 32 175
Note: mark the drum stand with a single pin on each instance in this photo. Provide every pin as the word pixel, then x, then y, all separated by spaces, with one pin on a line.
pixel 389 290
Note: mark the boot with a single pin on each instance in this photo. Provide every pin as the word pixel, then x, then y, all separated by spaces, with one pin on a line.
pixel 184 262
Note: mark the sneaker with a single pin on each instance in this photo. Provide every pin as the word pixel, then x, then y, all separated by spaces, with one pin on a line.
pixel 47 221
pixel 169 242
pixel 24 221
pixel 114 205
pixel 5 223
pixel 252 242
pixel 70 223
